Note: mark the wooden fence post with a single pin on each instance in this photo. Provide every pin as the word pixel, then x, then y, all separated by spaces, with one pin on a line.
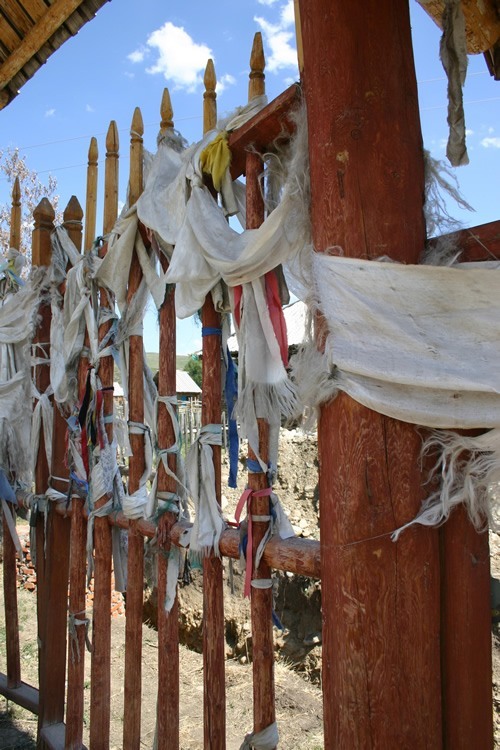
pixel 91 196
pixel 214 689
pixel 135 569
pixel 100 683
pixel 264 709
pixel 41 255
pixel 78 559
pixel 167 720
pixel 9 550
pixel 381 622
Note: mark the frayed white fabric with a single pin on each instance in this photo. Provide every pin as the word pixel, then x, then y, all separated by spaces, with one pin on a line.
pixel 267 739
pixel 417 343
pixel 208 521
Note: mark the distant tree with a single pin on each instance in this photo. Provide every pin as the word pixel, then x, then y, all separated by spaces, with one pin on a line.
pixel 13 165
pixel 194 368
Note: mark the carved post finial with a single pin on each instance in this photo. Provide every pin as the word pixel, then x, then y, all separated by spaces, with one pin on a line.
pixel 91 196
pixel 111 178
pixel 136 176
pixel 209 98
pixel 256 84
pixel 166 112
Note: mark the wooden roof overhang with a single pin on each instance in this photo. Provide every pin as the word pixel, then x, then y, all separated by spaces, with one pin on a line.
pixel 31 31
pixel 482 28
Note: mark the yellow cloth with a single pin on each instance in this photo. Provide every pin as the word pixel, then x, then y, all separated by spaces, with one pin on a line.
pixel 215 159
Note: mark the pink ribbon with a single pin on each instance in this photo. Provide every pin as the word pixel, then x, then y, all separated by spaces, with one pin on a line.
pixel 245 500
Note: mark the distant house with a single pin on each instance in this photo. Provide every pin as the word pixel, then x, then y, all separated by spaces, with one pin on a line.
pixel 187 389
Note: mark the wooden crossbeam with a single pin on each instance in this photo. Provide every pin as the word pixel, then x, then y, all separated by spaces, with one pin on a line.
pixel 263 129
pixel 25 695
pixel 39 34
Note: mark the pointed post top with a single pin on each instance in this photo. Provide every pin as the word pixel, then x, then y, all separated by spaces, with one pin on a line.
pixel 112 140
pixel 166 112
pixel 209 98
pixel 93 151
pixel 137 126
pixel 44 212
pixel 73 211
pixel 256 84
pixel 16 192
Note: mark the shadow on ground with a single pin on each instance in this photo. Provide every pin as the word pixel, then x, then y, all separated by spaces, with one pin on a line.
pixel 12 735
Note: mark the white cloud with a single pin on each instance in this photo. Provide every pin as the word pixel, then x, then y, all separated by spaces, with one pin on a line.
pixel 491 130
pixel 267 2
pixel 493 142
pixel 224 81
pixel 469 132
pixel 137 55
pixel 180 59
pixel 89 108
pixel 50 112
pixel 279 38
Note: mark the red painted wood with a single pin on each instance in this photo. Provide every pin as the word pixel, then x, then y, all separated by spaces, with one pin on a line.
pixel 135 568
pixel 10 602
pixel 263 129
pixel 213 593
pixel 24 695
pixel 41 255
pixel 100 667
pixel 466 635
pixel 381 666
pixel 478 243
pixel 168 624
pixel 264 709
pixel 297 555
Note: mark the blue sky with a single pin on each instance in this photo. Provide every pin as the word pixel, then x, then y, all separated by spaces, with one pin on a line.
pixel 131 51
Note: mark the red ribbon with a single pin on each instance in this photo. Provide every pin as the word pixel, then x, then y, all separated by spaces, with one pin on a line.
pixel 245 500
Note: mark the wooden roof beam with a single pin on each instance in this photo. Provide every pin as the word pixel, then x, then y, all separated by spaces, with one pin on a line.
pixel 56 15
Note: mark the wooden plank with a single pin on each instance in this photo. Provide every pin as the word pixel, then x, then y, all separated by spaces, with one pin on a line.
pixel 167 712
pixel 91 196
pixel 263 129
pixel 34 8
pixel 17 17
pixel 214 693
pixel 24 695
pixel 9 39
pixel 78 560
pixel 297 555
pixel 466 634
pixel 477 243
pixel 380 599
pixel 10 603
pixel 137 465
pixel 41 255
pixel 264 707
pixel 482 25
pixel 100 678
pixel 53 687
pixel 15 216
pixel 55 16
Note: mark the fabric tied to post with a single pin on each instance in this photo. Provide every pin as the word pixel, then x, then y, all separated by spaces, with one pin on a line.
pixel 245 501
pixel 215 159
pixel 208 522
pixel 267 739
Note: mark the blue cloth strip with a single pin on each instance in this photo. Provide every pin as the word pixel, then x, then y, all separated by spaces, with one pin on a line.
pixel 254 466
pixel 6 491
pixel 208 331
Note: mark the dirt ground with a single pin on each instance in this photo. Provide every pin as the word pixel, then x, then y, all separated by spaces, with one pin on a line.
pixel 297 604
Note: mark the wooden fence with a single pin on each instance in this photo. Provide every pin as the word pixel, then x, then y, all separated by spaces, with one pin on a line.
pixel 375 686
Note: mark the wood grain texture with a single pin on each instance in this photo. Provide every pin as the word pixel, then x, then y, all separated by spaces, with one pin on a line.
pixel 168 623
pixel 466 635
pixel 380 599
pixel 15 216
pixel 10 604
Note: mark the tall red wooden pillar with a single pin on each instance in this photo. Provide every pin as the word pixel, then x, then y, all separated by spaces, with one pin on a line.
pixel 381 618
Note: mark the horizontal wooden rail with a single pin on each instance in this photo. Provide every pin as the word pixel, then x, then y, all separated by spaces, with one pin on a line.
pixel 477 243
pixel 263 129
pixel 54 737
pixel 296 555
pixel 25 695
